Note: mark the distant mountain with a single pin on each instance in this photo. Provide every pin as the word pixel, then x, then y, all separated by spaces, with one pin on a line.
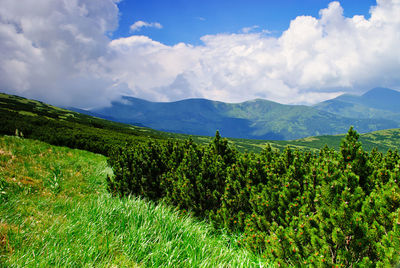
pixel 37 120
pixel 257 119
pixel 110 118
pixel 378 103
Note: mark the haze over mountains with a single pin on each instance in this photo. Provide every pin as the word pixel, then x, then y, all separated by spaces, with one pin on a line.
pixel 261 119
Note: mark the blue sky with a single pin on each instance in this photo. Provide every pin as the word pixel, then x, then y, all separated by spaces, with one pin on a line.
pixel 187 20
pixel 87 53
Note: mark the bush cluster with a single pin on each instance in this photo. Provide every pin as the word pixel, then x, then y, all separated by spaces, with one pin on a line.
pixel 294 208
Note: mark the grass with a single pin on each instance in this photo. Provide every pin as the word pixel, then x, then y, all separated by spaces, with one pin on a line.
pixel 55 211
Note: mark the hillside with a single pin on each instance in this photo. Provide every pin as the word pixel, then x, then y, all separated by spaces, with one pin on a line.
pixel 215 182
pixel 55 211
pixel 383 140
pixel 19 108
pixel 377 103
pixel 257 119
pixel 38 120
pixel 58 126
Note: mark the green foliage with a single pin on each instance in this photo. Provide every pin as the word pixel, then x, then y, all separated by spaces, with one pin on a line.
pixel 198 182
pixel 54 180
pixel 138 170
pixel 81 225
pixel 3 189
pixel 293 207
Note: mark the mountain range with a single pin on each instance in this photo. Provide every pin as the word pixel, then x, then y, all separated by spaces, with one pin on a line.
pixel 260 119
pixel 378 103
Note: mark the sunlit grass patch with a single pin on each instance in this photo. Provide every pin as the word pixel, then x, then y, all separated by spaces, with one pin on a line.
pixel 27 113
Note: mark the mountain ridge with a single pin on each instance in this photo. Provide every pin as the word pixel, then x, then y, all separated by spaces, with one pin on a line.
pixel 253 119
pixel 376 103
pixel 56 125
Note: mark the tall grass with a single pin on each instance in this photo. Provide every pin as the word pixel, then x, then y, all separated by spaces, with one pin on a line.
pixel 54 211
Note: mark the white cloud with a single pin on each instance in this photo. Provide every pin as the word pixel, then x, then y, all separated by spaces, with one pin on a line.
pixel 137 26
pixel 250 29
pixel 59 51
pixel 49 50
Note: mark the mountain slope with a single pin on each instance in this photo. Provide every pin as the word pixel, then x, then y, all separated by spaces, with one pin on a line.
pixel 257 119
pixel 38 120
pixel 375 104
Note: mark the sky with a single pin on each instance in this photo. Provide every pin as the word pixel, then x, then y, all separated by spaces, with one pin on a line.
pixel 86 53
pixel 188 20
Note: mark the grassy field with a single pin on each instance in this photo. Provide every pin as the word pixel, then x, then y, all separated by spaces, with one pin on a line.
pixel 55 211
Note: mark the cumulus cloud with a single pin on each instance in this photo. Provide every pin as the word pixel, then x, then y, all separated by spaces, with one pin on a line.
pixel 137 26
pixel 49 50
pixel 59 51
pixel 314 59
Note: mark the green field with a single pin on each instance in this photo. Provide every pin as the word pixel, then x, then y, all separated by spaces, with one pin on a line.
pixel 55 211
